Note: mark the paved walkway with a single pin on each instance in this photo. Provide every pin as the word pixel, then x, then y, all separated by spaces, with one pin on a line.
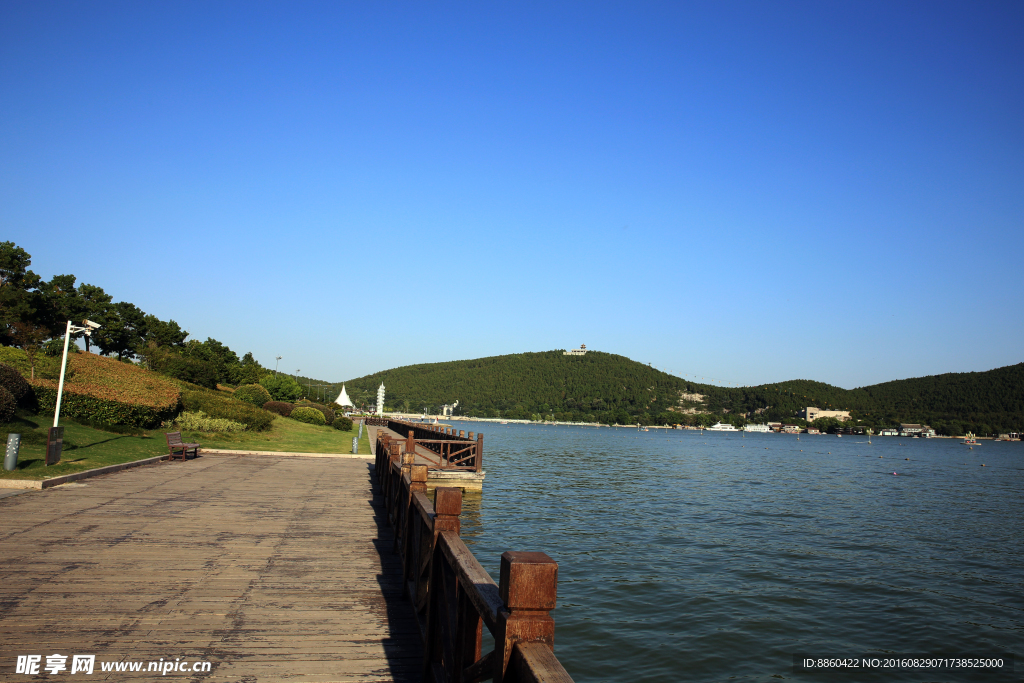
pixel 269 568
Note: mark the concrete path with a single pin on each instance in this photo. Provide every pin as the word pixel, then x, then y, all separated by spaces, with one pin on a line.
pixel 269 568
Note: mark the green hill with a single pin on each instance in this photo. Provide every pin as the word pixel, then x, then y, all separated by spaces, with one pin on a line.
pixel 604 387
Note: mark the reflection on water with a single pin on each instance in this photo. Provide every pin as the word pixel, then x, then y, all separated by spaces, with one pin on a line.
pixel 718 556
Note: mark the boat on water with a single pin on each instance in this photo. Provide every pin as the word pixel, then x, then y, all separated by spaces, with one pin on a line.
pixel 757 428
pixel 722 427
pixel 969 439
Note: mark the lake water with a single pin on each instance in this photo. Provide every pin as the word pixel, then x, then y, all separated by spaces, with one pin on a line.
pixel 719 556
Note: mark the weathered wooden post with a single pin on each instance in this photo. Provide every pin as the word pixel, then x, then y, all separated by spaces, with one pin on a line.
pixel 527 588
pixel 479 452
pixel 462 433
pixel 410 443
pixel 417 484
pixel 447 508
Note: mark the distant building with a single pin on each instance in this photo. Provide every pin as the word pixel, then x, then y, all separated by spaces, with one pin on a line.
pixel 812 430
pixel 889 431
pixel 775 426
pixel 909 429
pixel 790 429
pixel 582 351
pixel 811 414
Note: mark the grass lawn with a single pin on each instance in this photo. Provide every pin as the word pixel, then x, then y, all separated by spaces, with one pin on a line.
pixel 85 448
pixel 285 435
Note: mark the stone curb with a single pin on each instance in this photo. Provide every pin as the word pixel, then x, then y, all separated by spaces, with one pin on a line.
pixel 75 476
pixel 218 451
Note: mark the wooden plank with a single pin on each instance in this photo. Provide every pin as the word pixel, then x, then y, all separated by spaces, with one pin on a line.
pixel 270 568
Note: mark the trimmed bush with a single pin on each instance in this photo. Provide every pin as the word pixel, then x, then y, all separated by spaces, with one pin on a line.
pixel 7 405
pixel 112 392
pixel 282 387
pixel 342 423
pixel 19 388
pixel 252 393
pixel 200 422
pixel 328 413
pixel 279 407
pixel 191 370
pixel 308 415
pixel 217 405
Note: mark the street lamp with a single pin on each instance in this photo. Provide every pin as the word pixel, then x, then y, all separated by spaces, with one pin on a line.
pixel 55 439
pixel 277 360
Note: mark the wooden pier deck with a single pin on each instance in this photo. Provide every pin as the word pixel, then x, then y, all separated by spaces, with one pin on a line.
pixel 269 568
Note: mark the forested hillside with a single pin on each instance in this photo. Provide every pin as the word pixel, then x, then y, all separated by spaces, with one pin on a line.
pixel 603 387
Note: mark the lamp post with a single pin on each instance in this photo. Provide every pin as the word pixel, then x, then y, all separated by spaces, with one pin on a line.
pixel 277 360
pixel 55 439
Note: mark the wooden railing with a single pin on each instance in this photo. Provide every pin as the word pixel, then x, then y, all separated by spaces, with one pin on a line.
pixel 454 598
pixel 454 450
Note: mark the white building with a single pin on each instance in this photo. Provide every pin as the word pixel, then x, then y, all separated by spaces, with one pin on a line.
pixel 380 399
pixel 811 414
pixel 582 351
pixel 343 400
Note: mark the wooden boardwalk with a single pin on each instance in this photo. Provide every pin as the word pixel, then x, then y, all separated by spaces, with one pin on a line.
pixel 269 568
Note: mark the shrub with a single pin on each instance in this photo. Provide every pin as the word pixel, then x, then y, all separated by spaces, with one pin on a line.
pixel 252 393
pixel 219 405
pixel 7 405
pixel 111 392
pixel 282 387
pixel 19 388
pixel 279 407
pixel 328 413
pixel 198 421
pixel 46 368
pixel 309 415
pixel 342 423
pixel 191 370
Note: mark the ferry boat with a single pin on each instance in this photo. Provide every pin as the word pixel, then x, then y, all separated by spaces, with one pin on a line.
pixel 757 428
pixel 722 427
pixel 969 440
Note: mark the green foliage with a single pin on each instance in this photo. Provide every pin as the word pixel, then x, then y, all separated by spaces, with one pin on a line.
pixel 308 415
pixel 218 405
pixel 18 387
pixel 279 407
pixel 189 370
pixel 199 421
pixel 8 405
pixel 282 387
pixel 613 389
pixel 342 423
pixel 327 412
pixel 255 394
pixel 89 407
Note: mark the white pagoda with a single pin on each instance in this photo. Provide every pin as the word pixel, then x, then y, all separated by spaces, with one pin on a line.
pixel 380 399
pixel 343 400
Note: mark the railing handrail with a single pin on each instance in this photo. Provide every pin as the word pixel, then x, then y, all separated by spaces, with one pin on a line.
pixel 454 597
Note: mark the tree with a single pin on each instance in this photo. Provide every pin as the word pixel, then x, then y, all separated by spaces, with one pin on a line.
pixel 95 304
pixel 282 387
pixel 123 331
pixel 30 337
pixel 20 298
pixel 168 334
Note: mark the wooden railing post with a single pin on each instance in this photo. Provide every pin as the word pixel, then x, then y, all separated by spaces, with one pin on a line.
pixel 447 508
pixel 479 452
pixel 528 588
pixel 410 443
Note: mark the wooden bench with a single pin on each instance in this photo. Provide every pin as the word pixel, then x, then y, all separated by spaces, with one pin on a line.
pixel 179 449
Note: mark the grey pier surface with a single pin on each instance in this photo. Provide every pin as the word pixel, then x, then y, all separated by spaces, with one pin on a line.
pixel 271 568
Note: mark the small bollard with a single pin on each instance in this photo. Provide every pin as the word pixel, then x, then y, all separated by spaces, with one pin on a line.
pixel 355 445
pixel 11 458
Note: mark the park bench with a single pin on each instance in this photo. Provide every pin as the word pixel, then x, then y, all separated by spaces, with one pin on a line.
pixel 180 449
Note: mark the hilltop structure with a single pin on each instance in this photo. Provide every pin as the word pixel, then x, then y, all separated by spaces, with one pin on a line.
pixel 380 399
pixel 343 400
pixel 582 351
pixel 811 414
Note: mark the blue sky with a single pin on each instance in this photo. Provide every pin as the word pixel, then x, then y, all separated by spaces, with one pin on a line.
pixel 750 192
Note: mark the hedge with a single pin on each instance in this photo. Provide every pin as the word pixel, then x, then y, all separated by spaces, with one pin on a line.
pixel 252 393
pixel 218 405
pixel 201 422
pixel 7 405
pixel 18 386
pixel 308 415
pixel 279 407
pixel 342 423
pixel 110 391
pixel 328 413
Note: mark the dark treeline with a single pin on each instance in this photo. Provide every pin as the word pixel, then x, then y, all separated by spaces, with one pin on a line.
pixel 602 387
